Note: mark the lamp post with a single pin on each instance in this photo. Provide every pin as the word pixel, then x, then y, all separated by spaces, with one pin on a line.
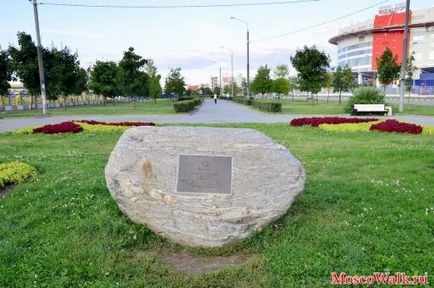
pixel 232 69
pixel 40 63
pixel 404 57
pixel 248 53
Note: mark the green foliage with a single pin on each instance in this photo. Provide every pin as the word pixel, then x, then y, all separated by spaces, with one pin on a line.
pixel 175 82
pixel 243 100
pixel 262 82
pixel 15 173
pixel 280 86
pixel 227 90
pixel 410 71
pixel 187 105
pixel 154 85
pixel 281 71
pixel 342 80
pixel 104 78
pixel 311 65
pixel 388 68
pixel 364 95
pixel 132 80
pixel 216 90
pixel 268 106
pixel 5 72
pixel 25 62
pixel 62 71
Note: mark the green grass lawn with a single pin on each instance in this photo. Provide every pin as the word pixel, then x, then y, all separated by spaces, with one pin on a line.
pixel 333 108
pixel 160 107
pixel 368 206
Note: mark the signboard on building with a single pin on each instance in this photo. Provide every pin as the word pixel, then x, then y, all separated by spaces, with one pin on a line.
pixel 389 9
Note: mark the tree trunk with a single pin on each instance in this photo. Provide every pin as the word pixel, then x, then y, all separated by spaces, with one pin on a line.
pixel 340 97
pixel 64 102
pixel 328 94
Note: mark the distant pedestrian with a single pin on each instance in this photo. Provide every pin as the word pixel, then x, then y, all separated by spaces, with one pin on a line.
pixel 215 98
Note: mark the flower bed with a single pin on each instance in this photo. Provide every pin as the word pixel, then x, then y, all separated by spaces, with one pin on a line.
pixel 348 127
pixel 64 127
pixel 396 126
pixel 82 125
pixel 124 124
pixel 15 172
pixel 316 121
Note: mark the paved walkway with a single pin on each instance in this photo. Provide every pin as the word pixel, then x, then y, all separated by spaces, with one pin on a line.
pixel 222 112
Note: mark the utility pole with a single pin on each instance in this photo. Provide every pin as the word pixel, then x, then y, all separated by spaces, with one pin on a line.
pixel 248 53
pixel 232 69
pixel 404 57
pixel 220 80
pixel 40 61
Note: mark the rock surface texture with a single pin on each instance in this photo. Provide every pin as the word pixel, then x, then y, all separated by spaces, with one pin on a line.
pixel 142 178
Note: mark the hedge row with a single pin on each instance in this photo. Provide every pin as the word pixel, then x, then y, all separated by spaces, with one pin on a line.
pixel 274 107
pixel 243 100
pixel 186 106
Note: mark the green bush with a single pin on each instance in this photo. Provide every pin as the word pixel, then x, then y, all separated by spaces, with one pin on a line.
pixel 271 106
pixel 187 105
pixel 243 100
pixel 185 98
pixel 364 95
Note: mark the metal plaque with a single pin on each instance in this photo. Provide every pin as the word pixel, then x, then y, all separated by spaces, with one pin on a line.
pixel 204 174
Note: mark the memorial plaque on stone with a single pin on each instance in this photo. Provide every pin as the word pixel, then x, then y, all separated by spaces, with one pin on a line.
pixel 204 174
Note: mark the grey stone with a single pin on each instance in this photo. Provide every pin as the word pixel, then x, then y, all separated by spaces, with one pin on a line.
pixel 142 177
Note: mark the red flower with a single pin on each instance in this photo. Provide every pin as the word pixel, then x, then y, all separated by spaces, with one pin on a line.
pixel 316 121
pixel 396 126
pixel 64 127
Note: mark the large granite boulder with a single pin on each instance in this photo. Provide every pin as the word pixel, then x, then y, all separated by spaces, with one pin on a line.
pixel 165 178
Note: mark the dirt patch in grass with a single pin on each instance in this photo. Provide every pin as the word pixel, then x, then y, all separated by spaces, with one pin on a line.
pixel 195 265
pixel 5 190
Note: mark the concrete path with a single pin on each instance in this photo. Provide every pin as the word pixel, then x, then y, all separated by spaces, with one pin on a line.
pixel 222 112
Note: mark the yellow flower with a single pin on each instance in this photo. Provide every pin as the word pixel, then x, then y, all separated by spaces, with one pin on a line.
pixel 15 173
pixel 348 127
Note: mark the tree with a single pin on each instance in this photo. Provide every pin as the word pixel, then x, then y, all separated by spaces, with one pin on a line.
pixel 409 77
pixel 311 65
pixel 216 90
pixel 25 64
pixel 280 86
pixel 388 68
pixel 343 80
pixel 328 84
pixel 104 79
pixel 132 80
pixel 5 73
pixel 281 71
pixel 293 85
pixel 175 82
pixel 227 90
pixel 153 80
pixel 262 82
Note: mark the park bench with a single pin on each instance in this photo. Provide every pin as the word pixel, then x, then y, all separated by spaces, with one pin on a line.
pixel 371 109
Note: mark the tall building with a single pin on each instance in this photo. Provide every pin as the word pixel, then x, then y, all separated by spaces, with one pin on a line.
pixel 360 44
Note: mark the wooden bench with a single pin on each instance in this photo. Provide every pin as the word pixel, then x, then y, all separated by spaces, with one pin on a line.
pixel 371 109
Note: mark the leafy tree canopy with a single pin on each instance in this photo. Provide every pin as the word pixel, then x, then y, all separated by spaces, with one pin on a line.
pixel 104 78
pixel 388 67
pixel 5 72
pixel 262 82
pixel 175 82
pixel 311 65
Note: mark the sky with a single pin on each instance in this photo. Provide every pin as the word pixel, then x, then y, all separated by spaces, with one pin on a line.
pixel 189 38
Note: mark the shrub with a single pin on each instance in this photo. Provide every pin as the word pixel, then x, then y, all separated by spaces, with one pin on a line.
pixel 316 121
pixel 186 106
pixel 15 173
pixel 25 130
pixel 243 100
pixel 185 98
pixel 268 106
pixel 64 127
pixel 364 95
pixel 396 126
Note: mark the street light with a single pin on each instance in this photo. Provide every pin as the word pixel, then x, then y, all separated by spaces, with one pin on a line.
pixel 248 53
pixel 232 69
